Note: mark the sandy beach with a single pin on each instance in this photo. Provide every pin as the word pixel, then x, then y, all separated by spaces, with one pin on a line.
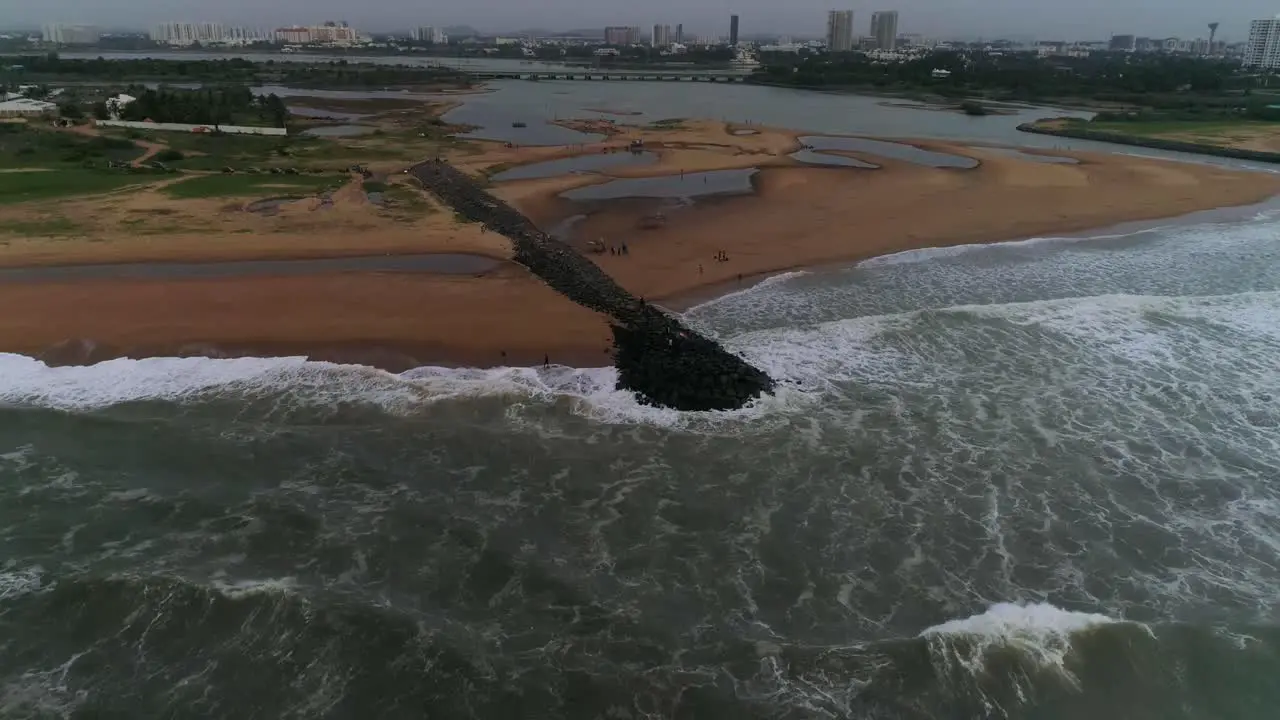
pixel 796 216
pixel 395 321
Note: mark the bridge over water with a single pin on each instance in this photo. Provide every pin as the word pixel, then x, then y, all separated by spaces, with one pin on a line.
pixel 614 75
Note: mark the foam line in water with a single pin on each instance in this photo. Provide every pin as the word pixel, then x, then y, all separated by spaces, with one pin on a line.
pixel 762 286
pixel 25 381
pixel 919 255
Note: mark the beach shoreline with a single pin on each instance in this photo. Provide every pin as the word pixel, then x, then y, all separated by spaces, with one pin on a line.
pixel 796 218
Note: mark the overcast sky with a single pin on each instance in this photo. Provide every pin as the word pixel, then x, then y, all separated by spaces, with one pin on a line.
pixel 1043 19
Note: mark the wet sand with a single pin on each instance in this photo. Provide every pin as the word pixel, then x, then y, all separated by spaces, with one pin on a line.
pixel 390 320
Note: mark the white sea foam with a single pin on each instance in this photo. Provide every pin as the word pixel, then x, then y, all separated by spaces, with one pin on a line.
pixel 1039 632
pixel 242 588
pixel 16 583
pixel 1020 620
pixel 592 391
pixel 810 356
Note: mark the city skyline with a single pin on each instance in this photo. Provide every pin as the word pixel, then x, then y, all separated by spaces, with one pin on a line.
pixel 1085 19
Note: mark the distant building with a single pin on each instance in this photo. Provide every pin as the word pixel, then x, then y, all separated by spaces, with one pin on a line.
pixel 429 34
pixel 1263 49
pixel 117 104
pixel 1123 43
pixel 884 28
pixel 26 107
pixel 58 34
pixel 328 34
pixel 183 34
pixel 733 30
pixel 840 30
pixel 680 34
pixel 620 35
pixel 661 36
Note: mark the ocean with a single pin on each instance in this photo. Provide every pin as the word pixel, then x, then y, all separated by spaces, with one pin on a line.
pixel 1027 480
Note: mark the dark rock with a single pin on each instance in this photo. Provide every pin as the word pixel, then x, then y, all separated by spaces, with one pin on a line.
pixel 657 357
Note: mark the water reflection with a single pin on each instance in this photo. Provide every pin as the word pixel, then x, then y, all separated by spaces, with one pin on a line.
pixel 1031 157
pixel 689 185
pixel 311 112
pixel 891 150
pixel 811 157
pixel 578 164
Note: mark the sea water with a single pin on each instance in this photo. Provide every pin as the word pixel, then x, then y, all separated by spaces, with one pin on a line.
pixel 1027 480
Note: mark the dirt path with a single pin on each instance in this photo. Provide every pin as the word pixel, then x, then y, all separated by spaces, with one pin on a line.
pixel 149 148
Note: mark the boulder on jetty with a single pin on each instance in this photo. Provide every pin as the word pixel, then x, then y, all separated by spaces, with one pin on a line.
pixel 658 357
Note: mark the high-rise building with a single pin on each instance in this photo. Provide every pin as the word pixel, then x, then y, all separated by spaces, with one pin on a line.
pixel 733 30
pixel 621 35
pixel 183 34
pixel 59 34
pixel 1263 50
pixel 328 34
pixel 680 33
pixel 840 30
pixel 429 34
pixel 661 36
pixel 884 28
pixel 1123 43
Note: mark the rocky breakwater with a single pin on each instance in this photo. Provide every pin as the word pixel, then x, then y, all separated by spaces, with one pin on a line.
pixel 657 357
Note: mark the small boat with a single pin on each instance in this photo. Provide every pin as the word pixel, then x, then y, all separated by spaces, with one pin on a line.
pixel 518 125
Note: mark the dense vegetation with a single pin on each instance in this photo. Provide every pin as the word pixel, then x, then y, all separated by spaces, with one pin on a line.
pixel 16 187
pixel 627 55
pixel 338 73
pixel 228 105
pixel 24 146
pixel 1147 80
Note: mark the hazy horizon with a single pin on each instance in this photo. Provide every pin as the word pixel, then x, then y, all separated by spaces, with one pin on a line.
pixel 1084 19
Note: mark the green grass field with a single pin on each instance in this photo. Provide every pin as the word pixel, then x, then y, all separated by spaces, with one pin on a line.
pixel 47 226
pixel 207 186
pixel 16 187
pixel 25 146
pixel 1208 129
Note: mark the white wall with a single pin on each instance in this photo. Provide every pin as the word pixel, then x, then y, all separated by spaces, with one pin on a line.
pixel 183 127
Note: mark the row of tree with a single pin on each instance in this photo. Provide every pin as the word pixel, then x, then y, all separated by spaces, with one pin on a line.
pixel 636 54
pixel 1011 75
pixel 338 73
pixel 227 105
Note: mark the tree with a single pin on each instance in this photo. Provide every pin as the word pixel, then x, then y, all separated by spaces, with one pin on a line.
pixel 100 110
pixel 70 111
pixel 277 110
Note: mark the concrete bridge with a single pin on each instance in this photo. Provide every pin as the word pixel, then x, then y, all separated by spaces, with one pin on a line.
pixel 615 75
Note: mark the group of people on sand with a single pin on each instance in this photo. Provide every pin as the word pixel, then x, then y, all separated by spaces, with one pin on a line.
pixel 622 250
pixel 720 256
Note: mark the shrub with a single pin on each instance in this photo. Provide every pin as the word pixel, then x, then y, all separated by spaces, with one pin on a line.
pixel 169 155
pixel 971 107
